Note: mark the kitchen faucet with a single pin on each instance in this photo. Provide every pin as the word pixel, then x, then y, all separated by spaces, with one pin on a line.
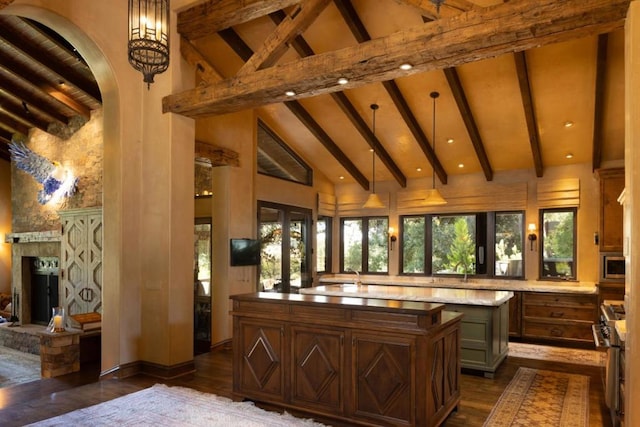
pixel 358 281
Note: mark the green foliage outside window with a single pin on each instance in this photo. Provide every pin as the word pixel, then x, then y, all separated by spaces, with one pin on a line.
pixel 453 244
pixel 413 244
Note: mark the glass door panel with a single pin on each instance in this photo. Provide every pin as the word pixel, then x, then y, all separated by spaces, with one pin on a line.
pixel 271 256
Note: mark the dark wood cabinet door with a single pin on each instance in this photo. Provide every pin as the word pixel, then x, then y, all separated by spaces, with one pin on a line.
pixel 383 372
pixel 260 359
pixel 317 377
pixel 515 315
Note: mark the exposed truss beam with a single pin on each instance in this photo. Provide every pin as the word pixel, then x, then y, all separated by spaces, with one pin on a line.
pixel 23 113
pixel 192 55
pixel 598 115
pixel 470 123
pixel 245 52
pixel 483 33
pixel 12 125
pixel 33 101
pixel 276 43
pixel 303 49
pixel 212 16
pixel 450 7
pixel 529 112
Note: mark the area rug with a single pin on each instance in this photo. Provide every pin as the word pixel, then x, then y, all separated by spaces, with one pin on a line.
pixel 161 405
pixel 557 354
pixel 17 367
pixel 542 398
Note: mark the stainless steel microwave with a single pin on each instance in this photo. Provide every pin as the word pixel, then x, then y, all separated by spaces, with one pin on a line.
pixel 612 267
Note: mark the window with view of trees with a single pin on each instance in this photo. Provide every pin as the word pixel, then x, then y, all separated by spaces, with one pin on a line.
pixel 455 244
pixel 509 233
pixel 365 244
pixel 558 234
pixel 323 242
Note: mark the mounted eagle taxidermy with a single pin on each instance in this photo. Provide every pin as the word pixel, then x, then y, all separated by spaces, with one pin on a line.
pixel 57 181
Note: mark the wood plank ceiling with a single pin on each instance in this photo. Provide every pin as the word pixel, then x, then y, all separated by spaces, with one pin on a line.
pixel 44 83
pixel 524 84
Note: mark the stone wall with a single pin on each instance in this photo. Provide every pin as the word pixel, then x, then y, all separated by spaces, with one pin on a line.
pixel 82 152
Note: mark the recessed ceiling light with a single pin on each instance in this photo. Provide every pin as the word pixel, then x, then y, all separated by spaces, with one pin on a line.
pixel 450 141
pixel 290 93
pixel 568 124
pixel 419 169
pixel 406 66
pixel 341 177
pixel 460 165
pixel 569 156
pixel 371 150
pixel 343 80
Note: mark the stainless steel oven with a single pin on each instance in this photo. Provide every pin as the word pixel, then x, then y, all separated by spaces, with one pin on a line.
pixel 612 267
pixel 607 339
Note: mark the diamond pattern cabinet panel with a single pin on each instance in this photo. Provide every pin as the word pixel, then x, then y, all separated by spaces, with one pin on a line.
pixel 318 358
pixel 81 260
pixel 383 376
pixel 260 361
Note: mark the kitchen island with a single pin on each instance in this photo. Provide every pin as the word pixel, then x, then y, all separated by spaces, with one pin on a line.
pixel 356 360
pixel 485 326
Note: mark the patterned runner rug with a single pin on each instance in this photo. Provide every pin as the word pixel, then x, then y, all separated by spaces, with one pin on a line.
pixel 17 367
pixel 161 405
pixel 542 398
pixel 557 354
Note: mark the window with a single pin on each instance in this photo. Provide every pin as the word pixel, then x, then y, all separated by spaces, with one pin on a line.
pixel 509 234
pixel 276 159
pixel 558 234
pixel 323 242
pixel 365 244
pixel 488 244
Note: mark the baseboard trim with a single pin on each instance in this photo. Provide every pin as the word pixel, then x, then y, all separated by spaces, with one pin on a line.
pixel 148 368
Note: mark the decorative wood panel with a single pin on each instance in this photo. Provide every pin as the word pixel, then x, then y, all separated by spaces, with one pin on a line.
pixel 261 358
pixel 81 260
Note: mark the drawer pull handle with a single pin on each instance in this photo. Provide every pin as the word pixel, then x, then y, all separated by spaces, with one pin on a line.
pixel 556 332
pixel 557 314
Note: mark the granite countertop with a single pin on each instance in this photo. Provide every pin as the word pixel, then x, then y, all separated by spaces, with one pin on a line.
pixel 414 293
pixel 473 283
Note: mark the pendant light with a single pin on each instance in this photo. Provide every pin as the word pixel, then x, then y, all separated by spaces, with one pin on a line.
pixel 373 201
pixel 148 47
pixel 434 198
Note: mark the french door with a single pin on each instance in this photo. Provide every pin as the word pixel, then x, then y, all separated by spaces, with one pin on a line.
pixel 286 247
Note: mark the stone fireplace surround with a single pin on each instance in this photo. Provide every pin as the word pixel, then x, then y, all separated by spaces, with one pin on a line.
pixel 23 247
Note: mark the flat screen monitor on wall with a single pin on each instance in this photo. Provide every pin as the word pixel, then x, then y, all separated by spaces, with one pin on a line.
pixel 245 252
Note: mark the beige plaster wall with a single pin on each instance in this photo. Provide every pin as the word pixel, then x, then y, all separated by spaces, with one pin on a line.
pixel 587 212
pixel 5 226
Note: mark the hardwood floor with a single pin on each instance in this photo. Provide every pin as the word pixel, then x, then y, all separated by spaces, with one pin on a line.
pixel 38 400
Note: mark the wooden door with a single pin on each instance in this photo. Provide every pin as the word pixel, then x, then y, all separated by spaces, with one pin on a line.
pixel 317 375
pixel 382 375
pixel 258 359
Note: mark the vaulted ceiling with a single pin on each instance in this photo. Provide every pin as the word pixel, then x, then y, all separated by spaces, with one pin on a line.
pixel 511 75
pixel 523 84
pixel 44 83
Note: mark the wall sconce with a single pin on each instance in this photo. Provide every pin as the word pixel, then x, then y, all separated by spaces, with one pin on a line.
pixel 532 234
pixel 392 237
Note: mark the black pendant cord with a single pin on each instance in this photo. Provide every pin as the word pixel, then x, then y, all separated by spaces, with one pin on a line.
pixel 434 95
pixel 374 107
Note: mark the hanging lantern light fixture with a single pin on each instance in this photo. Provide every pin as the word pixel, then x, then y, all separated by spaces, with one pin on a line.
pixel 148 48
pixel 373 201
pixel 434 198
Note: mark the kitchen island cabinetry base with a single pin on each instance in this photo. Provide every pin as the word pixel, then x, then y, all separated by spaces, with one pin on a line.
pixel 356 360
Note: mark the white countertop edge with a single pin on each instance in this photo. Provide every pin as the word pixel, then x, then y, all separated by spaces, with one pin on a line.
pixel 496 301
pixel 486 284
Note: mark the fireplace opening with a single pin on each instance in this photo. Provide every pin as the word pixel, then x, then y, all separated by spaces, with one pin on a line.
pixel 44 288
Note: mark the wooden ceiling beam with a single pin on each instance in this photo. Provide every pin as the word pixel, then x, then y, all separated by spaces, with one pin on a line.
pixel 12 125
pixel 529 112
pixel 276 43
pixel 217 155
pixel 5 3
pixel 245 52
pixel 23 113
pixel 212 16
pixel 428 9
pixel 469 121
pixel 50 62
pixel 192 55
pixel 598 114
pixel 483 33
pixel 303 49
pixel 4 149
pixel 361 34
pixel 32 100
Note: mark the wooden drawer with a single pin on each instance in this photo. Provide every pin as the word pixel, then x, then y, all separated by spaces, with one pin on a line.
pixel 556 330
pixel 559 312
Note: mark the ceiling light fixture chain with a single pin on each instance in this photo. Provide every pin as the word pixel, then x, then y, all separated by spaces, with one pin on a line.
pixel 433 195
pixel 148 47
pixel 373 201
